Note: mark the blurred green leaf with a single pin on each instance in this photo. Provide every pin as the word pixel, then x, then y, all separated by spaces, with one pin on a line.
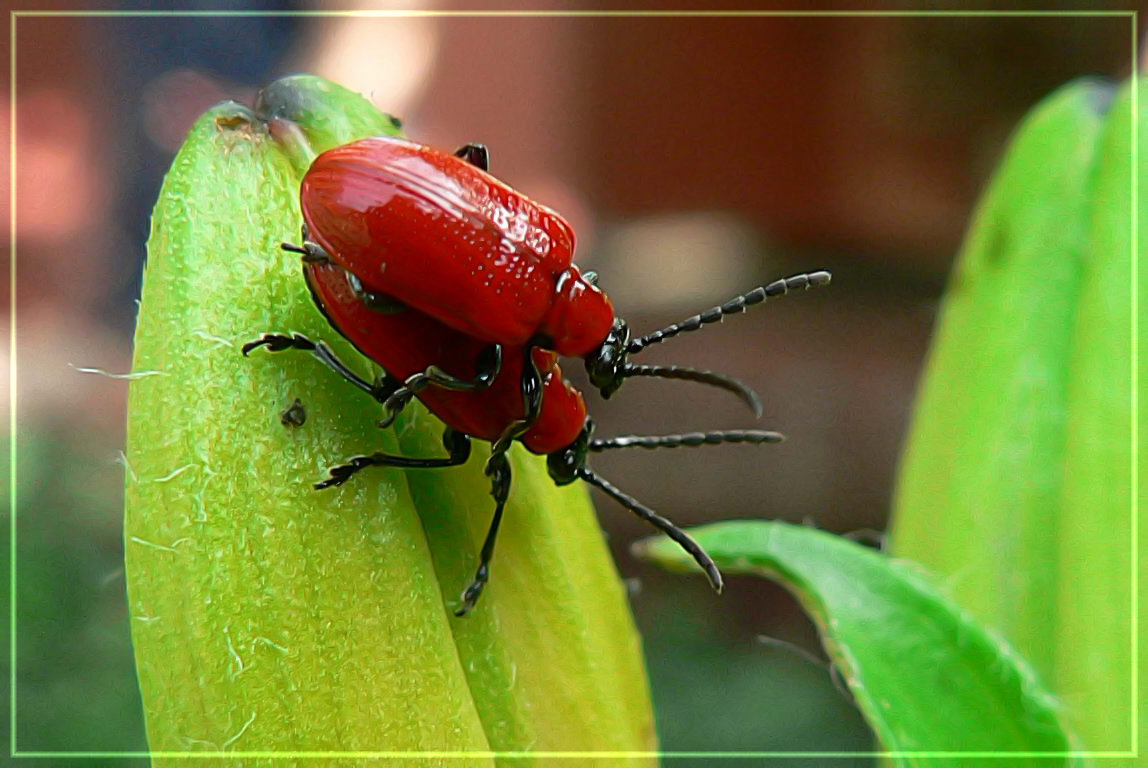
pixel 1094 608
pixel 927 677
pixel 1017 479
pixel 982 473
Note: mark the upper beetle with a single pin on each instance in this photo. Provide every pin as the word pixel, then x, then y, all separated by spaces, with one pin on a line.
pixel 465 292
pixel 435 231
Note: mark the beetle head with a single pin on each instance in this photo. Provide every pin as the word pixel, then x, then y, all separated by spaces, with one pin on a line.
pixel 606 365
pixel 565 464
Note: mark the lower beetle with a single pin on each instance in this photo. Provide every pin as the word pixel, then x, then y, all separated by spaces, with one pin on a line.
pixel 502 393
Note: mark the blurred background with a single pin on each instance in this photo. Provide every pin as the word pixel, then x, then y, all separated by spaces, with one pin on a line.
pixel 696 158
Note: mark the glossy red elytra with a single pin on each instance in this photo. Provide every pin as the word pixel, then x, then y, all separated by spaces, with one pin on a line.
pixel 465 292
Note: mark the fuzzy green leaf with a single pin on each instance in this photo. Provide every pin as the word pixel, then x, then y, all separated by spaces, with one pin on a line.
pixel 271 617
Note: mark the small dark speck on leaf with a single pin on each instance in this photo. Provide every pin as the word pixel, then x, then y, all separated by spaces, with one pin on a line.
pixel 295 415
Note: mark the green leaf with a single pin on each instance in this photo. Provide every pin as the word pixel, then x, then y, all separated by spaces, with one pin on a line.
pixel 927 677
pixel 982 473
pixel 1016 484
pixel 268 616
pixel 1093 626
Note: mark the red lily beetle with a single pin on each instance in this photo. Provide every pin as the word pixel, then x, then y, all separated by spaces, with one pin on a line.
pixel 464 291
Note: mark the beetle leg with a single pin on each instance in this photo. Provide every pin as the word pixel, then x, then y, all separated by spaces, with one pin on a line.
pixel 456 443
pixel 532 400
pixel 475 154
pixel 489 365
pixel 277 342
pixel 498 470
pixel 312 252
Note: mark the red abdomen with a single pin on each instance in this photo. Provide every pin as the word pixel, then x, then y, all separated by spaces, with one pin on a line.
pixel 407 342
pixel 450 240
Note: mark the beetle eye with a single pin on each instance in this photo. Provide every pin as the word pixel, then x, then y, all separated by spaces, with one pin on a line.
pixel 562 466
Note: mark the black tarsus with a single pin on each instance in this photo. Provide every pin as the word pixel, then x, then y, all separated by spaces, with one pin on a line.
pixel 456 443
pixel 733 306
pixel 662 524
pixel 278 342
pixel 498 470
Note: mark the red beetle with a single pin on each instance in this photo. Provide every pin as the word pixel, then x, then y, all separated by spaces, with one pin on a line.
pixel 393 212
pixel 410 223
pixel 436 232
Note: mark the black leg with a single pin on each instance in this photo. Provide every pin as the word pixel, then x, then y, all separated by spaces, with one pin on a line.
pixel 312 252
pixel 276 342
pixel 389 391
pixel 456 443
pixel 498 470
pixel 475 154
pixel 531 400
pixel 489 364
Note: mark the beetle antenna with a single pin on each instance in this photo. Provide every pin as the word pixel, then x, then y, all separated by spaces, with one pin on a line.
pixel 714 379
pixel 662 524
pixel 735 305
pixel 689 439
pixel 292 248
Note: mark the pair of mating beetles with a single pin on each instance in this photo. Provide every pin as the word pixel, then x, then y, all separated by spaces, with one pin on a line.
pixel 465 292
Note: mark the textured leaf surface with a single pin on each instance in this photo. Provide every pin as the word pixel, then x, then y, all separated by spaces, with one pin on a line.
pixel 270 617
pixel 926 676
pixel 1017 483
pixel 1093 629
pixel 979 489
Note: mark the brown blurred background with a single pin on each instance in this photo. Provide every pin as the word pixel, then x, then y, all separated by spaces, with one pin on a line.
pixel 695 157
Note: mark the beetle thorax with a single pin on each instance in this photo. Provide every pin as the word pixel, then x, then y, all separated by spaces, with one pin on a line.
pixel 580 316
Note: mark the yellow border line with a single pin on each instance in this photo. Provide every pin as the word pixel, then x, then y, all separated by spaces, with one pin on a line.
pixel 12 378
pixel 12 372
pixel 591 14
pixel 540 755
pixel 1135 404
